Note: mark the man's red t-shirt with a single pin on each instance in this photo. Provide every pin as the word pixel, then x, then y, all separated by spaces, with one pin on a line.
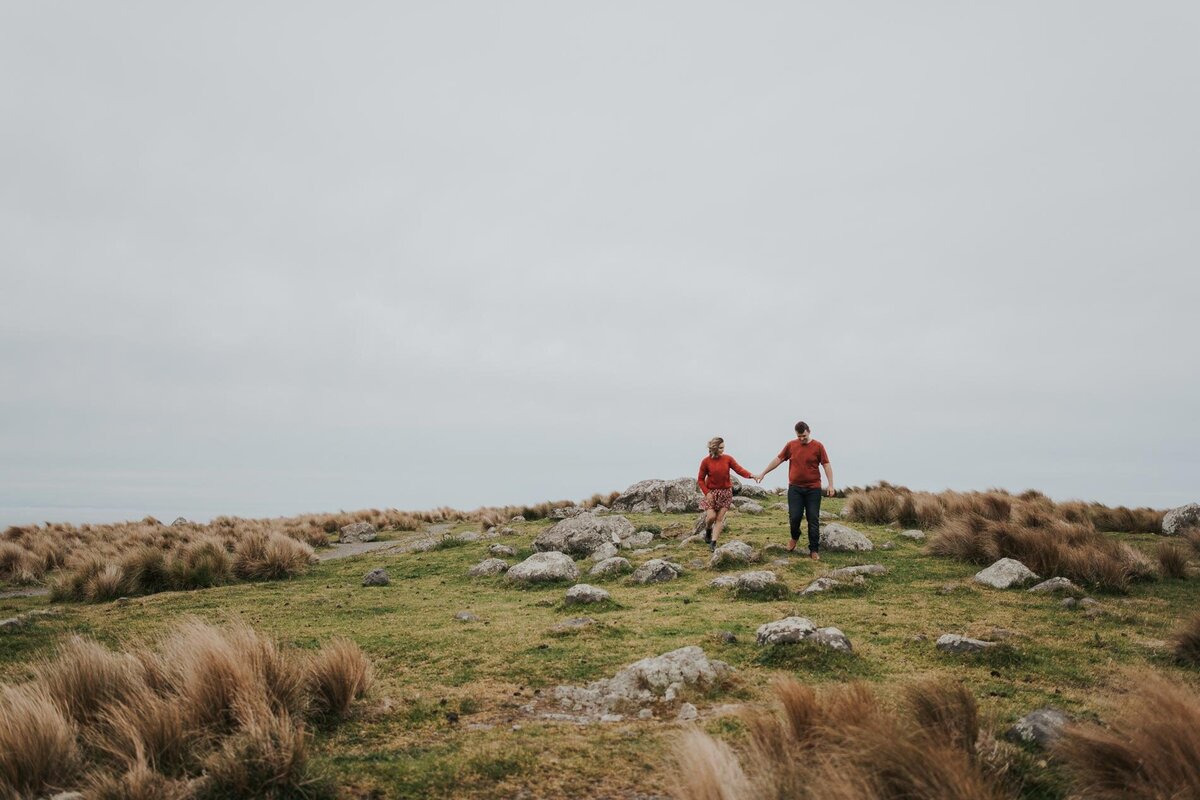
pixel 805 460
pixel 714 473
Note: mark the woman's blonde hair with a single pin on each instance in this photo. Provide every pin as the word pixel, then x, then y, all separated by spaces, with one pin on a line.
pixel 713 444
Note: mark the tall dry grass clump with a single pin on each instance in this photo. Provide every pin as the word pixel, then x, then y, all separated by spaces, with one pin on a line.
pixel 1150 750
pixel 842 743
pixel 225 705
pixel 1172 560
pixel 269 557
pixel 1187 642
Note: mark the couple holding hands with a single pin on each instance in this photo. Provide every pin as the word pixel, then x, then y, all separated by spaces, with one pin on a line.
pixel 805 456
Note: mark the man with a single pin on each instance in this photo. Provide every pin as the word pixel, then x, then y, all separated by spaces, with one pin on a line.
pixel 804 455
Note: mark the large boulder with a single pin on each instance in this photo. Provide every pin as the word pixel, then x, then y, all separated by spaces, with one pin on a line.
pixel 638 540
pixel 357 532
pixel 732 554
pixel 790 630
pixel 656 680
pixel 667 496
pixel 583 534
pixel 1180 519
pixel 545 567
pixel 839 538
pixel 1006 573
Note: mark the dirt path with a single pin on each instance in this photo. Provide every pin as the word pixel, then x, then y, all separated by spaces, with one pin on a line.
pixel 334 551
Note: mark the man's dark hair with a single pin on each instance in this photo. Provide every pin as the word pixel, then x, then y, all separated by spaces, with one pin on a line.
pixel 801 427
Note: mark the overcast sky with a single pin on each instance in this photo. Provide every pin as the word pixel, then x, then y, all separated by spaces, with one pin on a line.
pixel 272 258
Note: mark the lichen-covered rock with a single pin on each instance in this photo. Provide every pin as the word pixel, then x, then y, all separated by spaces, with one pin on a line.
pixel 490 566
pixel 501 550
pixel 656 680
pixel 615 565
pixel 953 643
pixel 466 616
pixel 1054 586
pixel 831 638
pixel 757 581
pixel 566 512
pixel 667 496
pixel 839 538
pixel 915 535
pixel 376 577
pixel 1180 519
pixel 784 631
pixel 656 570
pixel 604 551
pixel 357 532
pixel 861 569
pixel 637 540
pixel 582 594
pixel 582 534
pixel 820 585
pixel 1040 728
pixel 732 553
pixel 545 567
pixel 745 505
pixel 1005 573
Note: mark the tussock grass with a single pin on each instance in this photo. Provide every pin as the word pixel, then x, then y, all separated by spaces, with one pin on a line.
pixel 270 556
pixel 1172 560
pixel 225 702
pixel 1187 642
pixel 843 743
pixel 1150 750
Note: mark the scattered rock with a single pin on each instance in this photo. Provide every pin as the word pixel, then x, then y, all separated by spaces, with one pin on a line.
pixel 862 569
pixel 1040 728
pixel 357 532
pixel 728 637
pixel 600 509
pixel 638 539
pixel 656 570
pixel 888 545
pixel 747 581
pixel 179 521
pixel 669 497
pixel 823 515
pixel 1005 573
pixel 951 588
pixel 953 643
pixel 468 536
pixel 659 679
pixel 376 577
pixel 749 490
pixel 582 594
pixel 687 712
pixel 566 512
pixel 466 616
pixel 915 535
pixel 831 638
pixel 1179 519
pixel 839 538
pixel 582 534
pixel 1069 602
pixel 490 566
pixel 573 624
pixel 819 585
pixel 499 550
pixel 544 568
pixel 730 553
pixel 12 623
pixel 517 518
pixel 747 506
pixel 783 631
pixel 1054 586
pixel 611 566
pixel 784 507
pixel 604 551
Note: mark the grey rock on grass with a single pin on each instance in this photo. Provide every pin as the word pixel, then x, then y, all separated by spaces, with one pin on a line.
pixel 376 577
pixel 667 496
pixel 581 535
pixel 801 629
pixel 861 569
pixel 953 643
pixel 490 566
pixel 357 532
pixel 615 565
pixel 914 534
pixel 1040 728
pixel 839 538
pixel 583 594
pixel 1179 519
pixel 572 625
pixel 656 570
pixel 545 567
pixel 659 679
pixel 466 616
pixel 500 550
pixel 730 553
pixel 820 585
pixel 755 581
pixel 1054 586
pixel 1005 574
pixel 637 539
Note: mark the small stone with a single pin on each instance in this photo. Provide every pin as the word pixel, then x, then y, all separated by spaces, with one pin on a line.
pixel 574 624
pixel 646 713
pixel 820 585
pixel 1069 602
pixel 1041 727
pixel 888 545
pixel 611 717
pixel 582 594
pixel 953 643
pixel 914 534
pixel 358 532
pixel 466 616
pixel 728 637
pixel 1005 574
pixel 489 566
pixel 1053 586
pixel 376 577
pixel 687 712
pixel 501 550
pixel 863 569
pixel 517 518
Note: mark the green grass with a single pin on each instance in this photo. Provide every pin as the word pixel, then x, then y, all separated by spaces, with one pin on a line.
pixel 405 742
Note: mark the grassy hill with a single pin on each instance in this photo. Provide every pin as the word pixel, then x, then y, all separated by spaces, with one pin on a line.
pixel 449 714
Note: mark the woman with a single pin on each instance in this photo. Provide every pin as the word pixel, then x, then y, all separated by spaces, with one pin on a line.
pixel 718 489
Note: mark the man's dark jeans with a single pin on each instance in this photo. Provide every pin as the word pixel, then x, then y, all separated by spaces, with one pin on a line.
pixel 800 503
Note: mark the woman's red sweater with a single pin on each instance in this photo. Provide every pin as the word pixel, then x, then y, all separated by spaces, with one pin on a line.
pixel 714 472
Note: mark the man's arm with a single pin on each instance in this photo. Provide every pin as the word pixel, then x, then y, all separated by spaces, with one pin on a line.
pixel 829 490
pixel 775 462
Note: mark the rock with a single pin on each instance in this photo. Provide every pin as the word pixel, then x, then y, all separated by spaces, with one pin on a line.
pixel 12 623
pixel 612 717
pixel 638 539
pixel 784 631
pixel 750 490
pixel 582 594
pixel 1069 602
pixel 467 536
pixel 731 553
pixel 1040 728
pixel 357 532
pixel 376 577
pixel 728 637
pixel 573 624
pixel 1180 519
pixel 566 512
pixel 1005 573
pixel 517 518
pixel 745 505
pixel 544 568
pixel 838 538
pixel 862 569
pixel 819 585
pixel 582 534
pixel 823 515
pixel 651 680
pixel 611 566
pixel 669 497
pixel 600 509
pixel 466 616
pixel 603 552
pixel 646 713
pixel 656 570
pixel 915 535
pixel 831 638
pixel 747 581
pixel 888 545
pixel 687 712
pixel 953 643
pixel 179 521
pixel 782 507
pixel 490 566
pixel 501 550
pixel 1053 586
